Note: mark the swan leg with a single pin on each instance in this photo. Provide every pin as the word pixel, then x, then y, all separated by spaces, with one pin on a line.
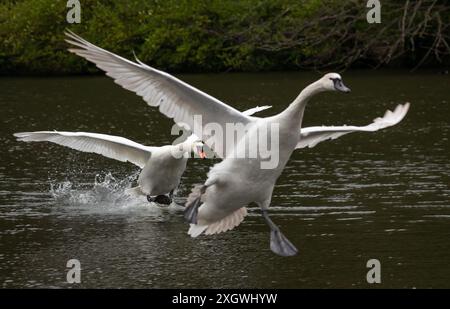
pixel 192 205
pixel 279 244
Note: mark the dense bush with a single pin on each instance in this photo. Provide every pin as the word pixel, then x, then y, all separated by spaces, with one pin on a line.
pixel 218 35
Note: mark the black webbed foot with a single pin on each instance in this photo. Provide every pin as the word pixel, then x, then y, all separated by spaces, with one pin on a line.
pixel 163 199
pixel 160 199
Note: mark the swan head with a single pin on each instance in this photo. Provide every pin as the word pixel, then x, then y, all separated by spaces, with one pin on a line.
pixel 199 149
pixel 196 145
pixel 333 82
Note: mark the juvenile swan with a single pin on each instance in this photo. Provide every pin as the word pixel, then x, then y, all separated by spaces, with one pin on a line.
pixel 219 204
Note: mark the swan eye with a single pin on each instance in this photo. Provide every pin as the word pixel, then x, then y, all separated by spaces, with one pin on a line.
pixel 336 81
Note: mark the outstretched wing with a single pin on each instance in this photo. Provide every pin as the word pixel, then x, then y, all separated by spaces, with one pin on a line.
pixel 175 98
pixel 110 146
pixel 256 109
pixel 310 137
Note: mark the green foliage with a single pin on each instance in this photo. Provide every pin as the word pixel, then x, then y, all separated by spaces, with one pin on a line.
pixel 215 35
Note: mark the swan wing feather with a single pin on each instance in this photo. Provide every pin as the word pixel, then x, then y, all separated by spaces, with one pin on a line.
pixel 114 147
pixel 311 136
pixel 175 98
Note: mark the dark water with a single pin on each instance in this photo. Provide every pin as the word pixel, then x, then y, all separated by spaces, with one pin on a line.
pixel 383 195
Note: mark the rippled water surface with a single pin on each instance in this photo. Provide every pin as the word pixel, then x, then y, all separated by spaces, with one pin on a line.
pixel 383 195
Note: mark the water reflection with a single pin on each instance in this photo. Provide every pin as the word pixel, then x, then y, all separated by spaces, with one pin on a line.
pixel 384 195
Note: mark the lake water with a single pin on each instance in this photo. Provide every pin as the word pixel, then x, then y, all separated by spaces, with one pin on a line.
pixel 382 195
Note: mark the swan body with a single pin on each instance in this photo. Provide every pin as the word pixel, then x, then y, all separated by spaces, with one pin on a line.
pixel 162 173
pixel 219 204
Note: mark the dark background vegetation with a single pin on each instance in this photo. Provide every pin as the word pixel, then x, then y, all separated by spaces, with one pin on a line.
pixel 217 35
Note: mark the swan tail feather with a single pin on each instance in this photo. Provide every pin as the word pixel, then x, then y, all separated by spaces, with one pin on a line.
pixel 196 230
pixel 223 225
pixel 227 223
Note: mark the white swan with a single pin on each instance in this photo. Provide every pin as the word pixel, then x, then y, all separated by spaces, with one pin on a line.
pixel 219 204
pixel 162 167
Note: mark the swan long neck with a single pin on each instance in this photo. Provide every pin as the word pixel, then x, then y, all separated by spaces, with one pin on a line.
pixel 186 146
pixel 178 151
pixel 297 107
pixel 181 149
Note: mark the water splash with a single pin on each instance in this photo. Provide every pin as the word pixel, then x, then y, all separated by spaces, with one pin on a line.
pixel 105 189
pixel 106 194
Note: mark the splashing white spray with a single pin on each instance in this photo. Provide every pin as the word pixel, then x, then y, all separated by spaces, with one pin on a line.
pixel 107 191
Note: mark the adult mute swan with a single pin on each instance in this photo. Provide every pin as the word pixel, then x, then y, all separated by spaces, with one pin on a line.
pixel 162 167
pixel 219 204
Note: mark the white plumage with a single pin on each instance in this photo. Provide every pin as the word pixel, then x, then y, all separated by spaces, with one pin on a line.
pixel 311 136
pixel 110 146
pixel 161 170
pixel 162 167
pixel 219 204
pixel 175 98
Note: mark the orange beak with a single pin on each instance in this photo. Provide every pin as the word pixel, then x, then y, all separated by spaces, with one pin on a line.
pixel 202 154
